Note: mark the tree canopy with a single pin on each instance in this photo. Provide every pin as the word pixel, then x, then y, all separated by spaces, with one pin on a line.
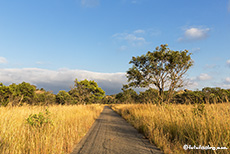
pixel 86 91
pixel 162 68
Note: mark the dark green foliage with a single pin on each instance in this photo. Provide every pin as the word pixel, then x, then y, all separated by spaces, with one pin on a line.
pixel 39 120
pixel 26 90
pixel 86 92
pixel 5 93
pixel 17 94
pixel 24 93
pixel 109 100
pixel 127 96
pixel 64 97
pixel 90 88
pixel 205 96
pixel 189 97
pixel 216 95
pixel 149 96
pixel 44 98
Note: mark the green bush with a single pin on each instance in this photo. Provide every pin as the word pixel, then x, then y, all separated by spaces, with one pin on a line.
pixel 39 120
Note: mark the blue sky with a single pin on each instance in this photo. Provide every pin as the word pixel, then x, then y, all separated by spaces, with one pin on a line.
pixel 49 43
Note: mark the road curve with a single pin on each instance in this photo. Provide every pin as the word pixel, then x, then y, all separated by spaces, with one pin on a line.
pixel 111 134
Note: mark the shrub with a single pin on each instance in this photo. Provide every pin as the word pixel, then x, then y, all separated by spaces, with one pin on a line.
pixel 39 120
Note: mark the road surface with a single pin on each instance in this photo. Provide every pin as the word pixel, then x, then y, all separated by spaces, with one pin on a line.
pixel 111 134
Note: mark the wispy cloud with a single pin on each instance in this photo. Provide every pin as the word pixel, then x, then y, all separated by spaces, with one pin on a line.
pixel 123 47
pixel 225 83
pixel 3 60
pixel 128 37
pixel 227 80
pixel 204 77
pixel 195 50
pixel 228 63
pixel 135 38
pixel 191 84
pixel 90 3
pixel 62 79
pixel 211 66
pixel 139 31
pixel 42 63
pixel 193 34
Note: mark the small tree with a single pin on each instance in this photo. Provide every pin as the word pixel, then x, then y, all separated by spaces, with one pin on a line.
pixel 87 91
pixel 24 91
pixel 127 95
pixel 63 97
pixel 163 68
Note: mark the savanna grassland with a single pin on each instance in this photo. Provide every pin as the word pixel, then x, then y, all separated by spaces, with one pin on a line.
pixel 44 130
pixel 172 126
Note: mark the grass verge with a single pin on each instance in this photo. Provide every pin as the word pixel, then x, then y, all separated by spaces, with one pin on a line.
pixel 170 127
pixel 52 132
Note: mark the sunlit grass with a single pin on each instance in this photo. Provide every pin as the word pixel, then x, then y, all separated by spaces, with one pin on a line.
pixel 170 127
pixel 69 125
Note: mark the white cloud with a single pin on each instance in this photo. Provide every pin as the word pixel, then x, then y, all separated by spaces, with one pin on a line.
pixel 193 34
pixel 62 79
pixel 227 80
pixel 203 77
pixel 89 3
pixel 228 62
pixel 197 82
pixel 3 60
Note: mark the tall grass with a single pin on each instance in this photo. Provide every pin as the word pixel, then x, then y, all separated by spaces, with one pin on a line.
pixel 69 125
pixel 170 127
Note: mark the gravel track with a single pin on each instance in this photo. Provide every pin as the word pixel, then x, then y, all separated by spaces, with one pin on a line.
pixel 111 134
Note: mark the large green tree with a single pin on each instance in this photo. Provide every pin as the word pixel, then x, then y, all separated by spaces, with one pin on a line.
pixel 162 68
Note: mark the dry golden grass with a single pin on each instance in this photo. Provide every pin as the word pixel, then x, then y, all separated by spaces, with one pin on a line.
pixel 170 127
pixel 70 124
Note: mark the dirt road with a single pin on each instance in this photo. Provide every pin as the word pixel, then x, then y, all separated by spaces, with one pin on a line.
pixel 111 134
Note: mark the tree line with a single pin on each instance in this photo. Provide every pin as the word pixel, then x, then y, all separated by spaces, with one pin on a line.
pixel 88 92
pixel 83 92
pixel 207 95
pixel 162 72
